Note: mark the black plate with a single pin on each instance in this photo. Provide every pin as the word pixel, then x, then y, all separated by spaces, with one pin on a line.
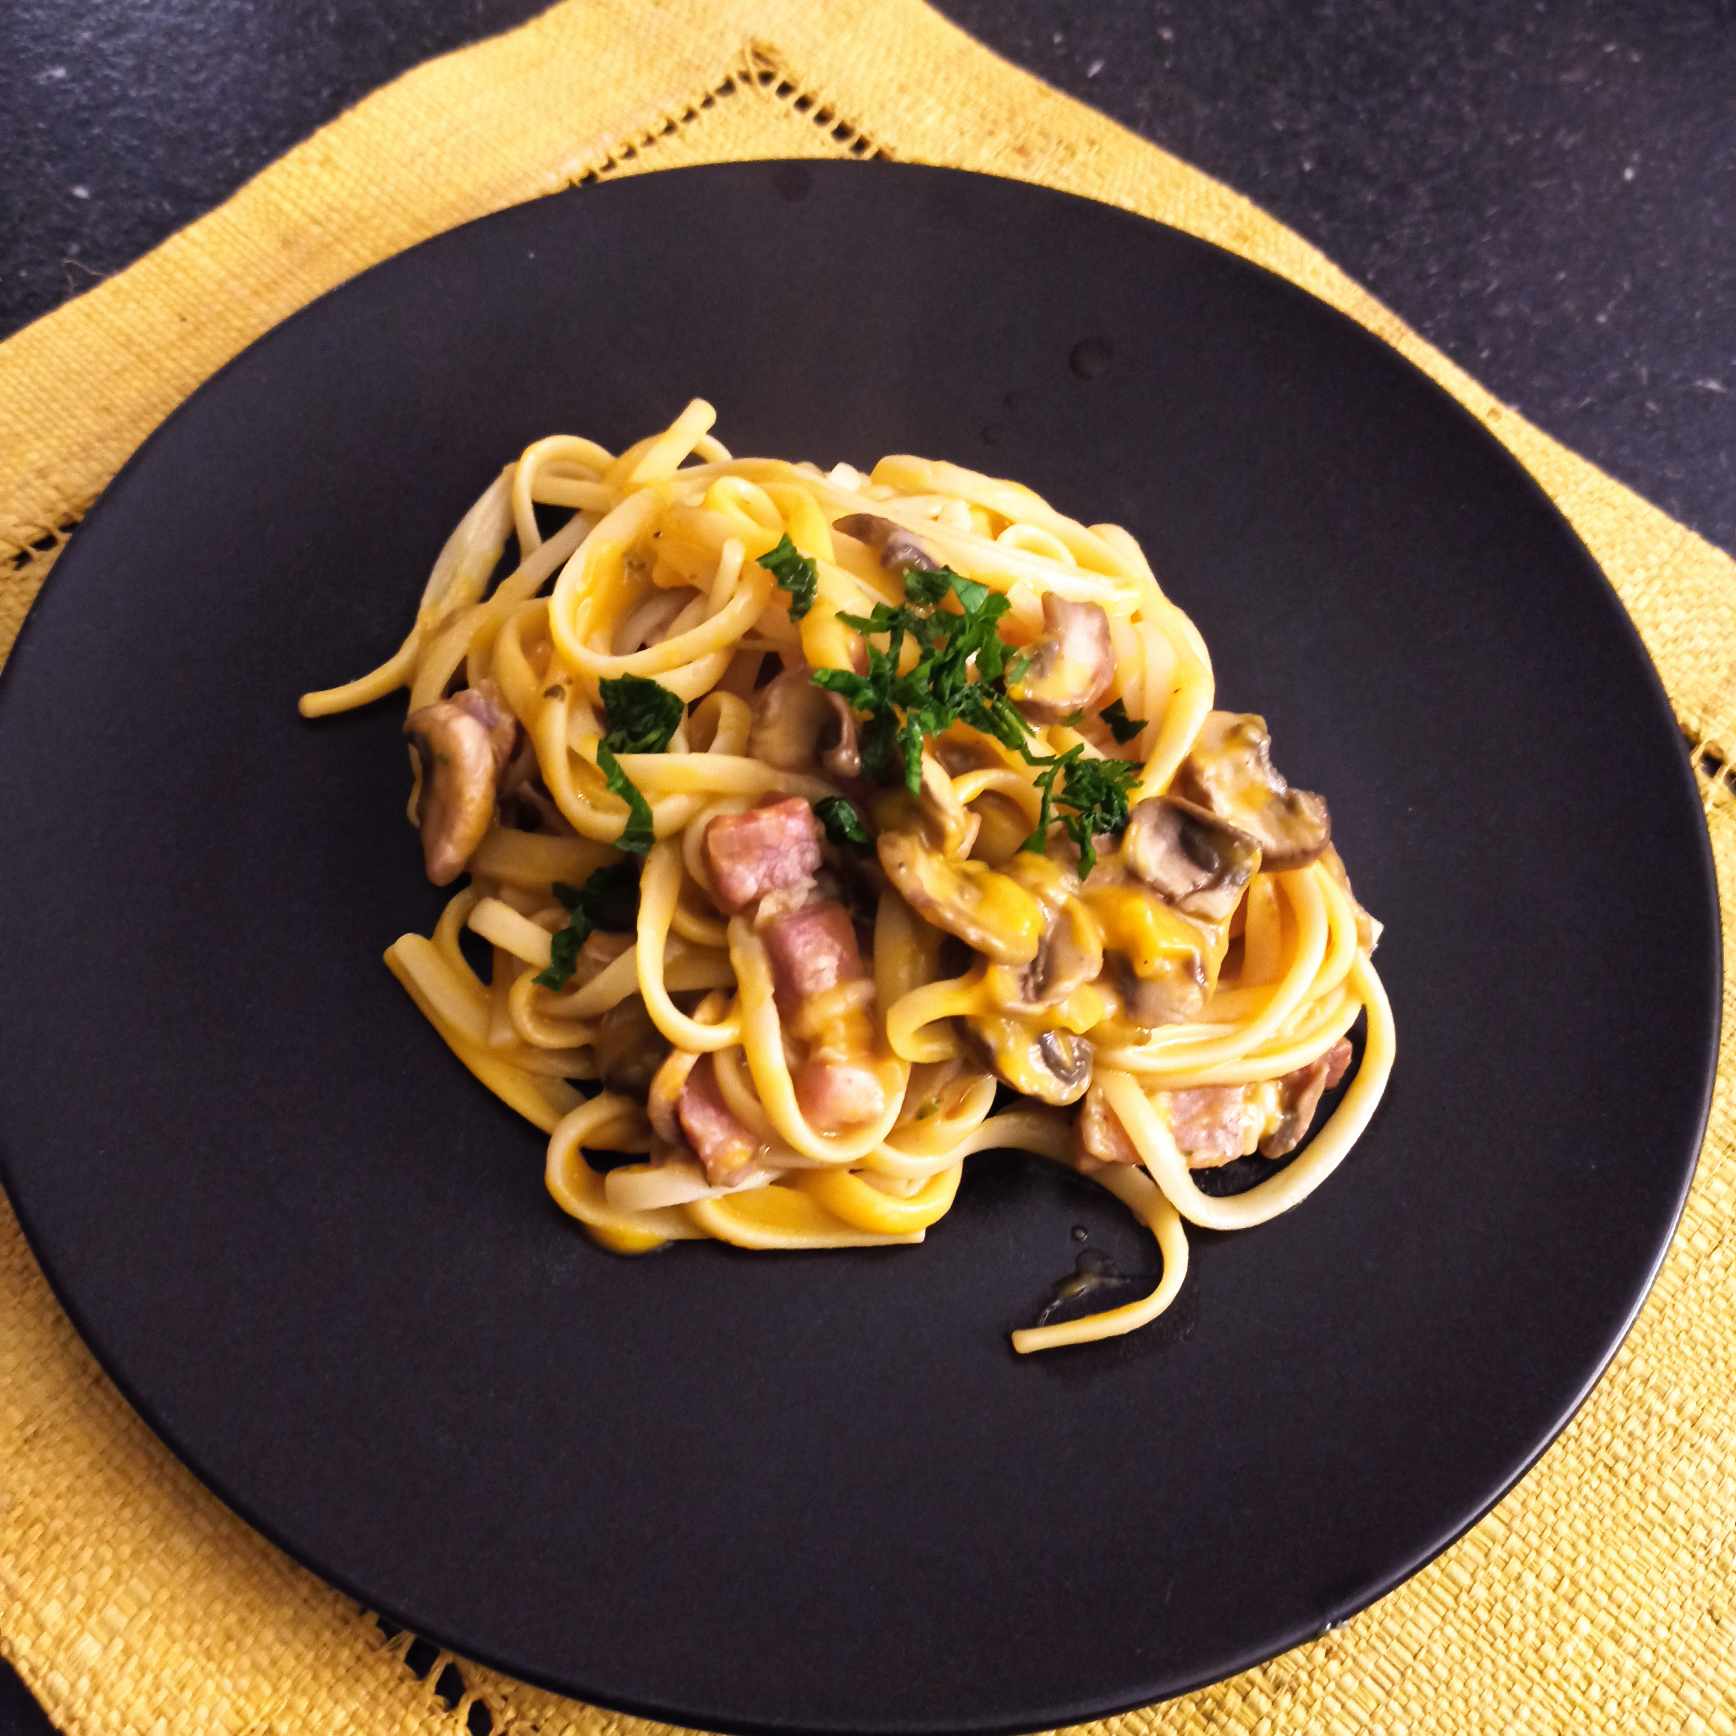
pixel 820 1493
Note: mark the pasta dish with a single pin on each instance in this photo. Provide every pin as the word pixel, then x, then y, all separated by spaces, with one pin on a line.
pixel 825 828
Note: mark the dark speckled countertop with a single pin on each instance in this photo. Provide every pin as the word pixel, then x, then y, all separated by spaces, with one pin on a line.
pixel 1545 188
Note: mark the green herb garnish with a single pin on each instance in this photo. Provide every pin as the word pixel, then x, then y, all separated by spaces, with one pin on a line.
pixel 1096 791
pixel 1121 726
pixel 842 822
pixel 636 836
pixel 794 572
pixel 905 709
pixel 641 715
pixel 961 676
pixel 608 900
pixel 563 957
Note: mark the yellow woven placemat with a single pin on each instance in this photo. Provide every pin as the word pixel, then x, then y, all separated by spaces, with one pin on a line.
pixel 1599 1596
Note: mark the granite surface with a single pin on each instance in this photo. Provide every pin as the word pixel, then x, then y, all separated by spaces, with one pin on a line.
pixel 1544 188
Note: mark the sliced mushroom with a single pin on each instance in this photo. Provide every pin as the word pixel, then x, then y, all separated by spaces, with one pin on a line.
pixel 1199 863
pixel 1175 993
pixel 898 549
pixel 1052 1066
pixel 1070 667
pixel 943 821
pixel 796 723
pixel 962 749
pixel 1230 771
pixel 629 1048
pixel 464 744
pixel 1070 956
pixel 1070 953
pixel 985 909
pixel 948 822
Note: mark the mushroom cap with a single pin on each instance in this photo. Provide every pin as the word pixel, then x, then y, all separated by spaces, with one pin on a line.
pixel 1054 1066
pixel 1171 996
pixel 796 724
pixel 1196 861
pixel 946 819
pixel 1070 666
pixel 987 910
pixel 1230 771
pixel 463 744
pixel 1071 955
pixel 899 550
pixel 629 1047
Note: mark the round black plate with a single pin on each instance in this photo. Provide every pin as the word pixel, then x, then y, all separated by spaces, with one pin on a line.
pixel 820 1493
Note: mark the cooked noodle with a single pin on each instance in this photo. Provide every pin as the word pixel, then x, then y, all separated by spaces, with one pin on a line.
pixel 767 1110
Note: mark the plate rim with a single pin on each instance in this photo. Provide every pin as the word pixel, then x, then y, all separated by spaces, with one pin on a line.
pixel 1068 1712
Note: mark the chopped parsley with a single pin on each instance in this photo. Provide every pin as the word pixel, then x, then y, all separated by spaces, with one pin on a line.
pixel 636 836
pixel 609 899
pixel 1095 790
pixel 1121 726
pixel 842 822
pixel 960 676
pixel 563 957
pixel 794 572
pixel 640 716
pixel 904 710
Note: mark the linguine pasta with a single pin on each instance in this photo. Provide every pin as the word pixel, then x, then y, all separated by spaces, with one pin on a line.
pixel 823 829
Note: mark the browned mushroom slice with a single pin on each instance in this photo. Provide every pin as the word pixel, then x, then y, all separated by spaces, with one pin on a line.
pixel 1071 955
pixel 985 909
pixel 629 1048
pixel 1197 862
pixel 898 549
pixel 1176 992
pixel 962 749
pixel 1052 1066
pixel 935 814
pixel 1070 667
pixel 1230 771
pixel 948 822
pixel 796 725
pixel 464 744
